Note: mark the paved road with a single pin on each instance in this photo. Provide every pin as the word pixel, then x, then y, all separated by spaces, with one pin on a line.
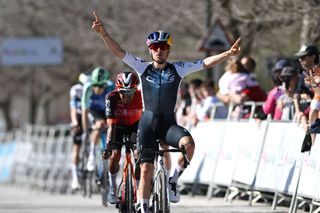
pixel 17 200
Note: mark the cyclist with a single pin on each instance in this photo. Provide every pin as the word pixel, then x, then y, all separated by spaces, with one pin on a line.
pixel 76 127
pixel 160 81
pixel 123 112
pixel 93 108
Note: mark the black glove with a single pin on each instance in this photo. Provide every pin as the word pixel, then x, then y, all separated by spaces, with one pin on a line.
pixel 106 153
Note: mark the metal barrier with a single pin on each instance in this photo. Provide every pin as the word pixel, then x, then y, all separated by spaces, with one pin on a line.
pixel 41 158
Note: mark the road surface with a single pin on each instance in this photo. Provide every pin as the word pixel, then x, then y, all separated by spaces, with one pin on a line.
pixel 16 200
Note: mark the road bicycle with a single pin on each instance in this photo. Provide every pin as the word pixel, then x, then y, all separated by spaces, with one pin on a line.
pixel 127 190
pixel 100 175
pixel 160 190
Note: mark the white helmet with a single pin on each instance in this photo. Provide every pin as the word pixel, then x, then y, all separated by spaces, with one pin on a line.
pixel 83 78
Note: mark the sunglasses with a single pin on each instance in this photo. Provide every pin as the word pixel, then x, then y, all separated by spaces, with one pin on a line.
pixel 161 46
pixel 127 92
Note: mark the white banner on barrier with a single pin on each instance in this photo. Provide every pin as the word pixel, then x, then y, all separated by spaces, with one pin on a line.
pixel 228 155
pixel 249 152
pixel 290 159
pixel 207 137
pixel 266 175
pixel 310 171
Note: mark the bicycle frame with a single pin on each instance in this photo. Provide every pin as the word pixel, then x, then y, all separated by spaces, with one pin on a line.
pixel 128 161
pixel 160 180
pixel 128 182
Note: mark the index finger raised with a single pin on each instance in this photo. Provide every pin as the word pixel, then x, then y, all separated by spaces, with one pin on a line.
pixel 96 16
pixel 237 42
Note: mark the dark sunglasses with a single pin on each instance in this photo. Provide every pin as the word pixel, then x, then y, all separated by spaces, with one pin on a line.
pixel 99 85
pixel 162 46
pixel 127 92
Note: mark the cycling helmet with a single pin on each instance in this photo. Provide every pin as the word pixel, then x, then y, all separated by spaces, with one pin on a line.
pixel 99 76
pixel 83 78
pixel 159 36
pixel 127 81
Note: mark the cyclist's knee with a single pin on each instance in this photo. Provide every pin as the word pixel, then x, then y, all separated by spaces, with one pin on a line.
pixel 187 142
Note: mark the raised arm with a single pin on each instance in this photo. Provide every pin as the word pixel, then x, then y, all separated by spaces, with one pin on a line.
pixel 216 59
pixel 108 40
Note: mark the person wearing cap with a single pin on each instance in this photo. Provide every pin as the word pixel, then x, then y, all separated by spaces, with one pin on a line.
pixel 289 76
pixel 309 57
pixel 269 106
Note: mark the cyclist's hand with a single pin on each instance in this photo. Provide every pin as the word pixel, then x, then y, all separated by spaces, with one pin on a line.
pixel 235 49
pixel 106 153
pixel 97 24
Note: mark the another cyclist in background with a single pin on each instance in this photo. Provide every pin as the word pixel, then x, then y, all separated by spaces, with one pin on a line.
pixel 123 112
pixel 160 82
pixel 76 126
pixel 93 108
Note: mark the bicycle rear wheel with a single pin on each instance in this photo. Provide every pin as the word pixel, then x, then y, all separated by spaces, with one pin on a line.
pixel 161 202
pixel 84 174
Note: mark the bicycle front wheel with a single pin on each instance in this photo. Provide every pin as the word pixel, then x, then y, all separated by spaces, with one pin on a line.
pixel 161 201
pixel 129 191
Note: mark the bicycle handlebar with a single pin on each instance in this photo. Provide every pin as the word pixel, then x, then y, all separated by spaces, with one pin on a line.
pixel 161 152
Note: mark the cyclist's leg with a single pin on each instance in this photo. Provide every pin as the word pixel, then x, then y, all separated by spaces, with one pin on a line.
pixel 75 161
pixel 146 140
pixel 98 122
pixel 166 158
pixel 177 137
pixel 114 167
pixel 76 133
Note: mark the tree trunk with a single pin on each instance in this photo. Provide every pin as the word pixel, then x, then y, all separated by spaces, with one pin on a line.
pixel 6 108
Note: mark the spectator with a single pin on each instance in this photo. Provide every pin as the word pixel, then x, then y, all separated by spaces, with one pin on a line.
pixel 196 99
pixel 183 104
pixel 208 103
pixel 309 58
pixel 269 107
pixel 249 64
pixel 233 81
pixel 290 78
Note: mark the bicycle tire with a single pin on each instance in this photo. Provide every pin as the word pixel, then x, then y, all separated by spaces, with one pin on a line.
pixel 129 196
pixel 105 183
pixel 89 183
pixel 161 201
pixel 84 172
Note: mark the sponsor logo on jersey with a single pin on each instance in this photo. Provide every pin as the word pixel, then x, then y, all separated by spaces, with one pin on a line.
pixel 167 76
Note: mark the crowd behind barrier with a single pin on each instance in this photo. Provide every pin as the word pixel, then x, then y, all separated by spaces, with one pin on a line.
pixel 235 156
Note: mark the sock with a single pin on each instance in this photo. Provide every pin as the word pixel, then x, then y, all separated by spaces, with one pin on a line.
pixel 144 205
pixel 113 180
pixel 74 172
pixel 92 149
pixel 176 174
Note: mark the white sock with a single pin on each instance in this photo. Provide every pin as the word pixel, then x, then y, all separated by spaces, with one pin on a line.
pixel 144 205
pixel 92 151
pixel 113 180
pixel 74 172
pixel 176 174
